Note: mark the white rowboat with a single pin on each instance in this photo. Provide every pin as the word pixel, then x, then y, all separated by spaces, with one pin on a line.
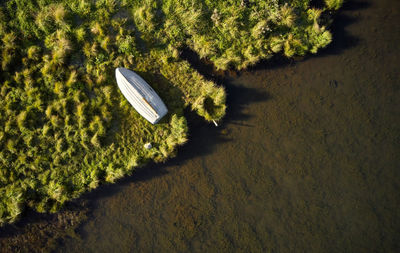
pixel 140 95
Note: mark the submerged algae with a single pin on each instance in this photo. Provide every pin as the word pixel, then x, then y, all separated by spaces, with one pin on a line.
pixel 66 128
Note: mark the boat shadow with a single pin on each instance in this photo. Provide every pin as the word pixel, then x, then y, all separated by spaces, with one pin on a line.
pixel 169 93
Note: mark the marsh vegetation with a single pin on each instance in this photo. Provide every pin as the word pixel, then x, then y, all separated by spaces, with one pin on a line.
pixel 66 128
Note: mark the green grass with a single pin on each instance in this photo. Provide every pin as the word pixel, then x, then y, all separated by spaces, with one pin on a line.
pixel 334 4
pixel 65 126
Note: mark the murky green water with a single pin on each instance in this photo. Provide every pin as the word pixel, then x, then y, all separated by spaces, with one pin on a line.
pixel 306 161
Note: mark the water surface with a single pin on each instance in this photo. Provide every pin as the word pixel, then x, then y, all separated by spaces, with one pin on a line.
pixel 306 161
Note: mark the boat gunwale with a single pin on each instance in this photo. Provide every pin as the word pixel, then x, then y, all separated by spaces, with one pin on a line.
pixel 136 89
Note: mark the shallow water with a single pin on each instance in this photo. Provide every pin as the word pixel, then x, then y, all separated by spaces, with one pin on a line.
pixel 307 159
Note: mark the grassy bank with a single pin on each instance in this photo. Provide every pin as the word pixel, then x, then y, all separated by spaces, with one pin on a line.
pixel 66 128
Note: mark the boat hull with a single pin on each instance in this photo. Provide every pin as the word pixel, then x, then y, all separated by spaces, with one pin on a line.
pixel 140 95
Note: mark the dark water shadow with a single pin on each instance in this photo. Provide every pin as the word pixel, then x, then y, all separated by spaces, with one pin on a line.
pixel 238 97
pixel 341 38
pixel 29 217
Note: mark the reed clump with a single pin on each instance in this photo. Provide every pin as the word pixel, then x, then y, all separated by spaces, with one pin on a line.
pixel 334 4
pixel 65 128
